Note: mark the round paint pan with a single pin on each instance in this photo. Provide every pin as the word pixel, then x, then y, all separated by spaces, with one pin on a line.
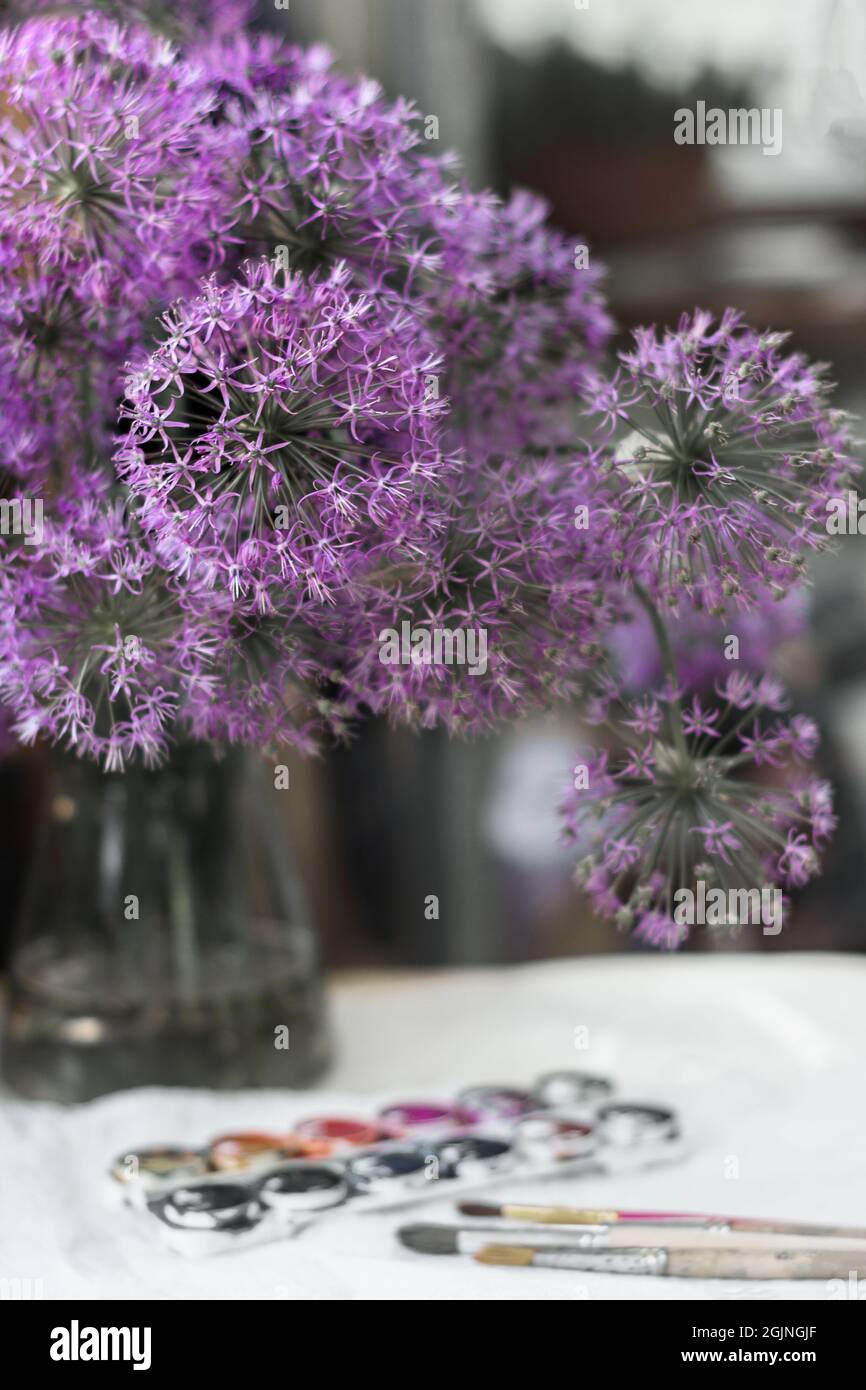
pixel 158 1166
pixel 296 1188
pixel 250 1151
pixel 486 1103
pixel 626 1125
pixel 423 1114
pixel 209 1206
pixel 389 1168
pixel 472 1156
pixel 336 1133
pixel 544 1136
pixel 558 1090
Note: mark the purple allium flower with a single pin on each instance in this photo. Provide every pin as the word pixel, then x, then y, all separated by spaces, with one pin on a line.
pixel 281 435
pixel 247 67
pixel 61 363
pixel 522 324
pixel 327 170
pixel 667 812
pixel 109 165
pixel 508 569
pixel 766 747
pixel 182 19
pixel 108 654
pixel 803 736
pixel 647 717
pixel 718 839
pixel 798 861
pixel 330 171
pixel 273 684
pixel 97 652
pixel 721 486
pixel 198 19
pixel 697 721
pixel 657 929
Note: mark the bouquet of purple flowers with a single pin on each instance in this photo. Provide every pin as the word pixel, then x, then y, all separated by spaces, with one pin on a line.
pixel 297 428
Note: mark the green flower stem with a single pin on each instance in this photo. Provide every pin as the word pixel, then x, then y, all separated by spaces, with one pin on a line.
pixel 668 665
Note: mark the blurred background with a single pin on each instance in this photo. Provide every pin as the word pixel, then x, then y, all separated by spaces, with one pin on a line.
pixel 576 101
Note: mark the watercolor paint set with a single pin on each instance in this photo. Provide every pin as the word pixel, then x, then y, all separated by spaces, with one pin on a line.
pixel 251 1187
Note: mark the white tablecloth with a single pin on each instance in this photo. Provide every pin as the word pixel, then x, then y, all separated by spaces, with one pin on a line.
pixel 764 1057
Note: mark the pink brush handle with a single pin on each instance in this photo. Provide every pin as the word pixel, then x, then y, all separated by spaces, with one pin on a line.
pixel 740 1223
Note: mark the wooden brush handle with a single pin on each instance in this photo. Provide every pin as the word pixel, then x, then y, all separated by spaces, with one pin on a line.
pixel 746 1224
pixel 695 1238
pixel 560 1216
pixel 750 1263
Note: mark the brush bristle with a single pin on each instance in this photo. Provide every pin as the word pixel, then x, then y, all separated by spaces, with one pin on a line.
pixel 506 1255
pixel 478 1209
pixel 430 1240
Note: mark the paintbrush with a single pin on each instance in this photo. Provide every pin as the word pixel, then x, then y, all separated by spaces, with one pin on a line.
pixel 712 1262
pixel 606 1216
pixel 672 1237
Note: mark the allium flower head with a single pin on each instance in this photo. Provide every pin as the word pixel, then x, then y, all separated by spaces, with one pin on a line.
pixel 246 68
pixel 61 361
pixel 109 655
pixel 507 568
pixel 674 802
pixel 108 163
pixel 185 19
pixel 274 683
pixel 280 435
pixel 329 170
pixel 721 485
pixel 522 321
pixel 97 652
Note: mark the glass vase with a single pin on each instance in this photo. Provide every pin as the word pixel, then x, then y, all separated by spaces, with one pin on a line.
pixel 163 937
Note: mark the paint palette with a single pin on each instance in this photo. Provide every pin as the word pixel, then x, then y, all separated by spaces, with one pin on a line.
pixel 251 1187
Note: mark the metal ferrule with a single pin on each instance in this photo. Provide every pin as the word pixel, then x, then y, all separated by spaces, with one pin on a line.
pixel 643 1261
pixel 472 1239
